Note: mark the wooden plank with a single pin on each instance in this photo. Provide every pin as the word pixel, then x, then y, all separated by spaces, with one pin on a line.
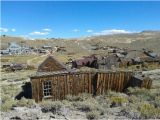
pixel 53 88
pixel 109 81
pixel 34 89
pixel 104 83
pixel 117 81
pixel 101 85
pixel 85 83
pixel 82 83
pixel 125 79
pixel 62 87
pixel 40 89
pixel 112 80
pixel 98 83
pixel 75 86
pixel 79 84
pixel 65 84
pixel 90 83
pixel 121 82
pixel 68 83
pixel 38 97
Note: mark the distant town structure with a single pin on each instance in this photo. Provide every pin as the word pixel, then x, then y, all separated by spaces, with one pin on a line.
pixel 16 49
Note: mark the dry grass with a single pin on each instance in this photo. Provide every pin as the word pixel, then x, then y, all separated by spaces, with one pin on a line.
pixel 51 106
pixel 149 111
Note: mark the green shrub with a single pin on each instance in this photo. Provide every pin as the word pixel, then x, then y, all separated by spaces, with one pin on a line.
pixel 7 105
pixel 89 105
pixel 111 93
pixel 25 102
pixel 85 106
pixel 142 93
pixel 149 111
pixel 130 111
pixel 51 106
pixel 157 101
pixel 133 99
pixel 72 98
pixel 84 96
pixel 92 115
pixel 103 101
pixel 118 100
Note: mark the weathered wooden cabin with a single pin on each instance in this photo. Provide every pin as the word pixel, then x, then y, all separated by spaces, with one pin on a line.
pixel 54 81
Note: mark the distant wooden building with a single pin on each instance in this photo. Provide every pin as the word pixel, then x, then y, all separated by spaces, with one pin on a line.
pixel 89 61
pixel 47 47
pixel 113 60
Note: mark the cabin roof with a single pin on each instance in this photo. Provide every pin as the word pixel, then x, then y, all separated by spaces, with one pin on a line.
pixel 140 77
pixel 51 64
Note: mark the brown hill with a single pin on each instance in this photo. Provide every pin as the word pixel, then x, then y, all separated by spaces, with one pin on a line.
pixel 145 39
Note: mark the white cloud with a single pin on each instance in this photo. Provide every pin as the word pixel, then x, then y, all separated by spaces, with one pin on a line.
pixel 3 30
pixel 47 29
pixel 13 30
pixel 112 31
pixel 39 33
pixel 76 30
pixel 89 31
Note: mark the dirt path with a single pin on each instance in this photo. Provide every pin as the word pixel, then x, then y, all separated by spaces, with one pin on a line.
pixel 30 61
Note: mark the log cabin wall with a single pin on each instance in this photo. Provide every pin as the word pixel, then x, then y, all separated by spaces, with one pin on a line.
pixel 75 83
pixel 116 81
pixel 62 85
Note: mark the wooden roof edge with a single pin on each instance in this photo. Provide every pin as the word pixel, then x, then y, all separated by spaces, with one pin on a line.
pixel 44 74
pixel 141 77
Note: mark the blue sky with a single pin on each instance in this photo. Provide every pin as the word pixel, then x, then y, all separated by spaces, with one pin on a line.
pixel 77 19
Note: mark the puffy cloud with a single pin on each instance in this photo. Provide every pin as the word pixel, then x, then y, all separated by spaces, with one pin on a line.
pixel 76 30
pixel 112 31
pixel 39 33
pixel 13 30
pixel 47 29
pixel 3 30
pixel 89 31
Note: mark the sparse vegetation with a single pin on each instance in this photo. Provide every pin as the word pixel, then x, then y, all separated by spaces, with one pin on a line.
pixel 93 115
pixel 142 93
pixel 149 111
pixel 23 102
pixel 51 106
pixel 118 101
pixel 7 104
pixel 136 103
pixel 88 105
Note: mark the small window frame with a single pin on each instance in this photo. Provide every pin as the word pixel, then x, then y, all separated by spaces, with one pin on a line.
pixel 47 89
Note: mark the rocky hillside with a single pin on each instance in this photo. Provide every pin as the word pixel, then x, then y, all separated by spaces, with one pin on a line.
pixel 145 39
